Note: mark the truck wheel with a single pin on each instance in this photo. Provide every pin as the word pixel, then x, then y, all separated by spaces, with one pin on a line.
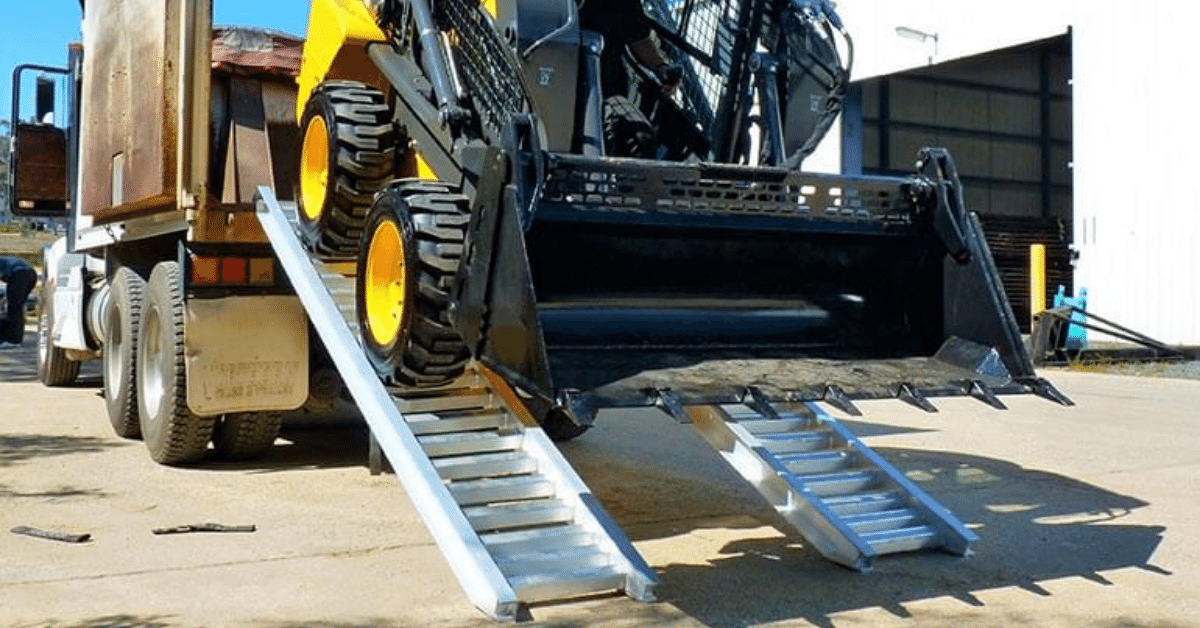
pixel 413 246
pixel 246 435
pixel 173 434
pixel 54 368
pixel 348 152
pixel 121 323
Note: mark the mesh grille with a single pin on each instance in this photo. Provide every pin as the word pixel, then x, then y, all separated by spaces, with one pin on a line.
pixel 639 187
pixel 489 72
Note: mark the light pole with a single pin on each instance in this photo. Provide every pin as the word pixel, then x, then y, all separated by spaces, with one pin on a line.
pixel 921 36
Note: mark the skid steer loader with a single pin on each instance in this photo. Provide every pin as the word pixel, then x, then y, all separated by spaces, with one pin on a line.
pixel 457 151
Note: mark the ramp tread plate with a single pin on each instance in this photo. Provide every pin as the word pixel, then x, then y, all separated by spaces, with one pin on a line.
pixel 438 445
pixel 485 465
pixel 863 503
pixel 445 402
pixel 882 521
pixel 516 542
pixel 839 483
pixel 568 584
pixel 506 489
pixel 902 539
pixel 557 561
pixel 487 421
pixel 760 426
pixel 796 442
pixel 519 515
pixel 817 462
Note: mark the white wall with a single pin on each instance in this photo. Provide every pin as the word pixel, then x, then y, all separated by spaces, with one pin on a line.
pixel 1136 166
pixel 1136 131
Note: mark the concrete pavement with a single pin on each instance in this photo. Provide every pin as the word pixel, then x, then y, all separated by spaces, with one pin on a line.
pixel 1088 517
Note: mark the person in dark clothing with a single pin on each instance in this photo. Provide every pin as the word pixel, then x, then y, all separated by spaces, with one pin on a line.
pixel 624 26
pixel 19 279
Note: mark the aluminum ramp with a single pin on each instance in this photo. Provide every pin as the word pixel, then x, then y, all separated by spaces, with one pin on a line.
pixel 844 498
pixel 514 521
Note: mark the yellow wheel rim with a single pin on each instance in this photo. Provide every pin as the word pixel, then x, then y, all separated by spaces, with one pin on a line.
pixel 314 168
pixel 385 283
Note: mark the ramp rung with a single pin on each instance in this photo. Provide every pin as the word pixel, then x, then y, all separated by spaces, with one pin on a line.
pixel 796 442
pixel 863 503
pixel 447 401
pixel 839 483
pixel 882 521
pixel 493 490
pixel 557 561
pixel 485 421
pixel 468 443
pixel 816 462
pixel 507 544
pixel 485 465
pixel 563 585
pixel 902 539
pixel 519 515
pixel 776 426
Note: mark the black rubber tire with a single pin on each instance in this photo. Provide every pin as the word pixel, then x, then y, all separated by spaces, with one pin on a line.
pixel 173 434
pixel 361 143
pixel 246 435
pixel 432 221
pixel 560 428
pixel 54 367
pixel 122 323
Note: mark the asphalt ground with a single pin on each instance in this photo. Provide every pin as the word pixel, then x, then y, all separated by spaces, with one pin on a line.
pixel 1088 516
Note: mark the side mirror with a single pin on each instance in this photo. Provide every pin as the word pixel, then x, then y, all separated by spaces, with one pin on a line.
pixel 37 175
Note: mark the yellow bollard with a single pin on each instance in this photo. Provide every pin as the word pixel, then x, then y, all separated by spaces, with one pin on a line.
pixel 1037 279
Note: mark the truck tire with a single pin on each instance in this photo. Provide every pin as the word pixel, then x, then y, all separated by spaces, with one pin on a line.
pixel 246 435
pixel 347 153
pixel 173 434
pixel 412 248
pixel 121 327
pixel 54 368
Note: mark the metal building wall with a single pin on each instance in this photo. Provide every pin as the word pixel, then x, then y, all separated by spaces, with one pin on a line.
pixel 1135 128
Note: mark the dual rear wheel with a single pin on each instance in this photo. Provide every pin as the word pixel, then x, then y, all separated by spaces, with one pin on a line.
pixel 145 381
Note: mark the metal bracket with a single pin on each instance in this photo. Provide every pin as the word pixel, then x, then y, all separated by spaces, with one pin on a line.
pixel 948 212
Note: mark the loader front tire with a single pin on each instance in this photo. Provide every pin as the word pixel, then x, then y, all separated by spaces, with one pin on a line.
pixel 121 325
pixel 411 250
pixel 347 152
pixel 173 434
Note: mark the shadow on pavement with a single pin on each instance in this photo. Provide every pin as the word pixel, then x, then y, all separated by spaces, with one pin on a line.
pixel 15 448
pixel 109 621
pixel 1034 527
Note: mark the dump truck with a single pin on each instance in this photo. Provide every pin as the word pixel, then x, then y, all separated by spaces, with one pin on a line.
pixel 450 212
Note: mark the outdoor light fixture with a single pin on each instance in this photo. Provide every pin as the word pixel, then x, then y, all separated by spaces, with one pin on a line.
pixel 921 36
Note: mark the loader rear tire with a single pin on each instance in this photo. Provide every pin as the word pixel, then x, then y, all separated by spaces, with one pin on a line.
pixel 173 434
pixel 246 435
pixel 54 368
pixel 347 152
pixel 411 250
pixel 121 326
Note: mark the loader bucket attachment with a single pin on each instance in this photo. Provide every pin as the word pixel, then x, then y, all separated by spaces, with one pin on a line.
pixel 704 282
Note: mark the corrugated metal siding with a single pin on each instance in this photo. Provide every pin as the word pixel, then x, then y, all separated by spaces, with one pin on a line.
pixel 1135 130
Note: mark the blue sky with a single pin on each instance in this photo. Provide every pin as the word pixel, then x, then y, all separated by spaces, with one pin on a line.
pixel 38 31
